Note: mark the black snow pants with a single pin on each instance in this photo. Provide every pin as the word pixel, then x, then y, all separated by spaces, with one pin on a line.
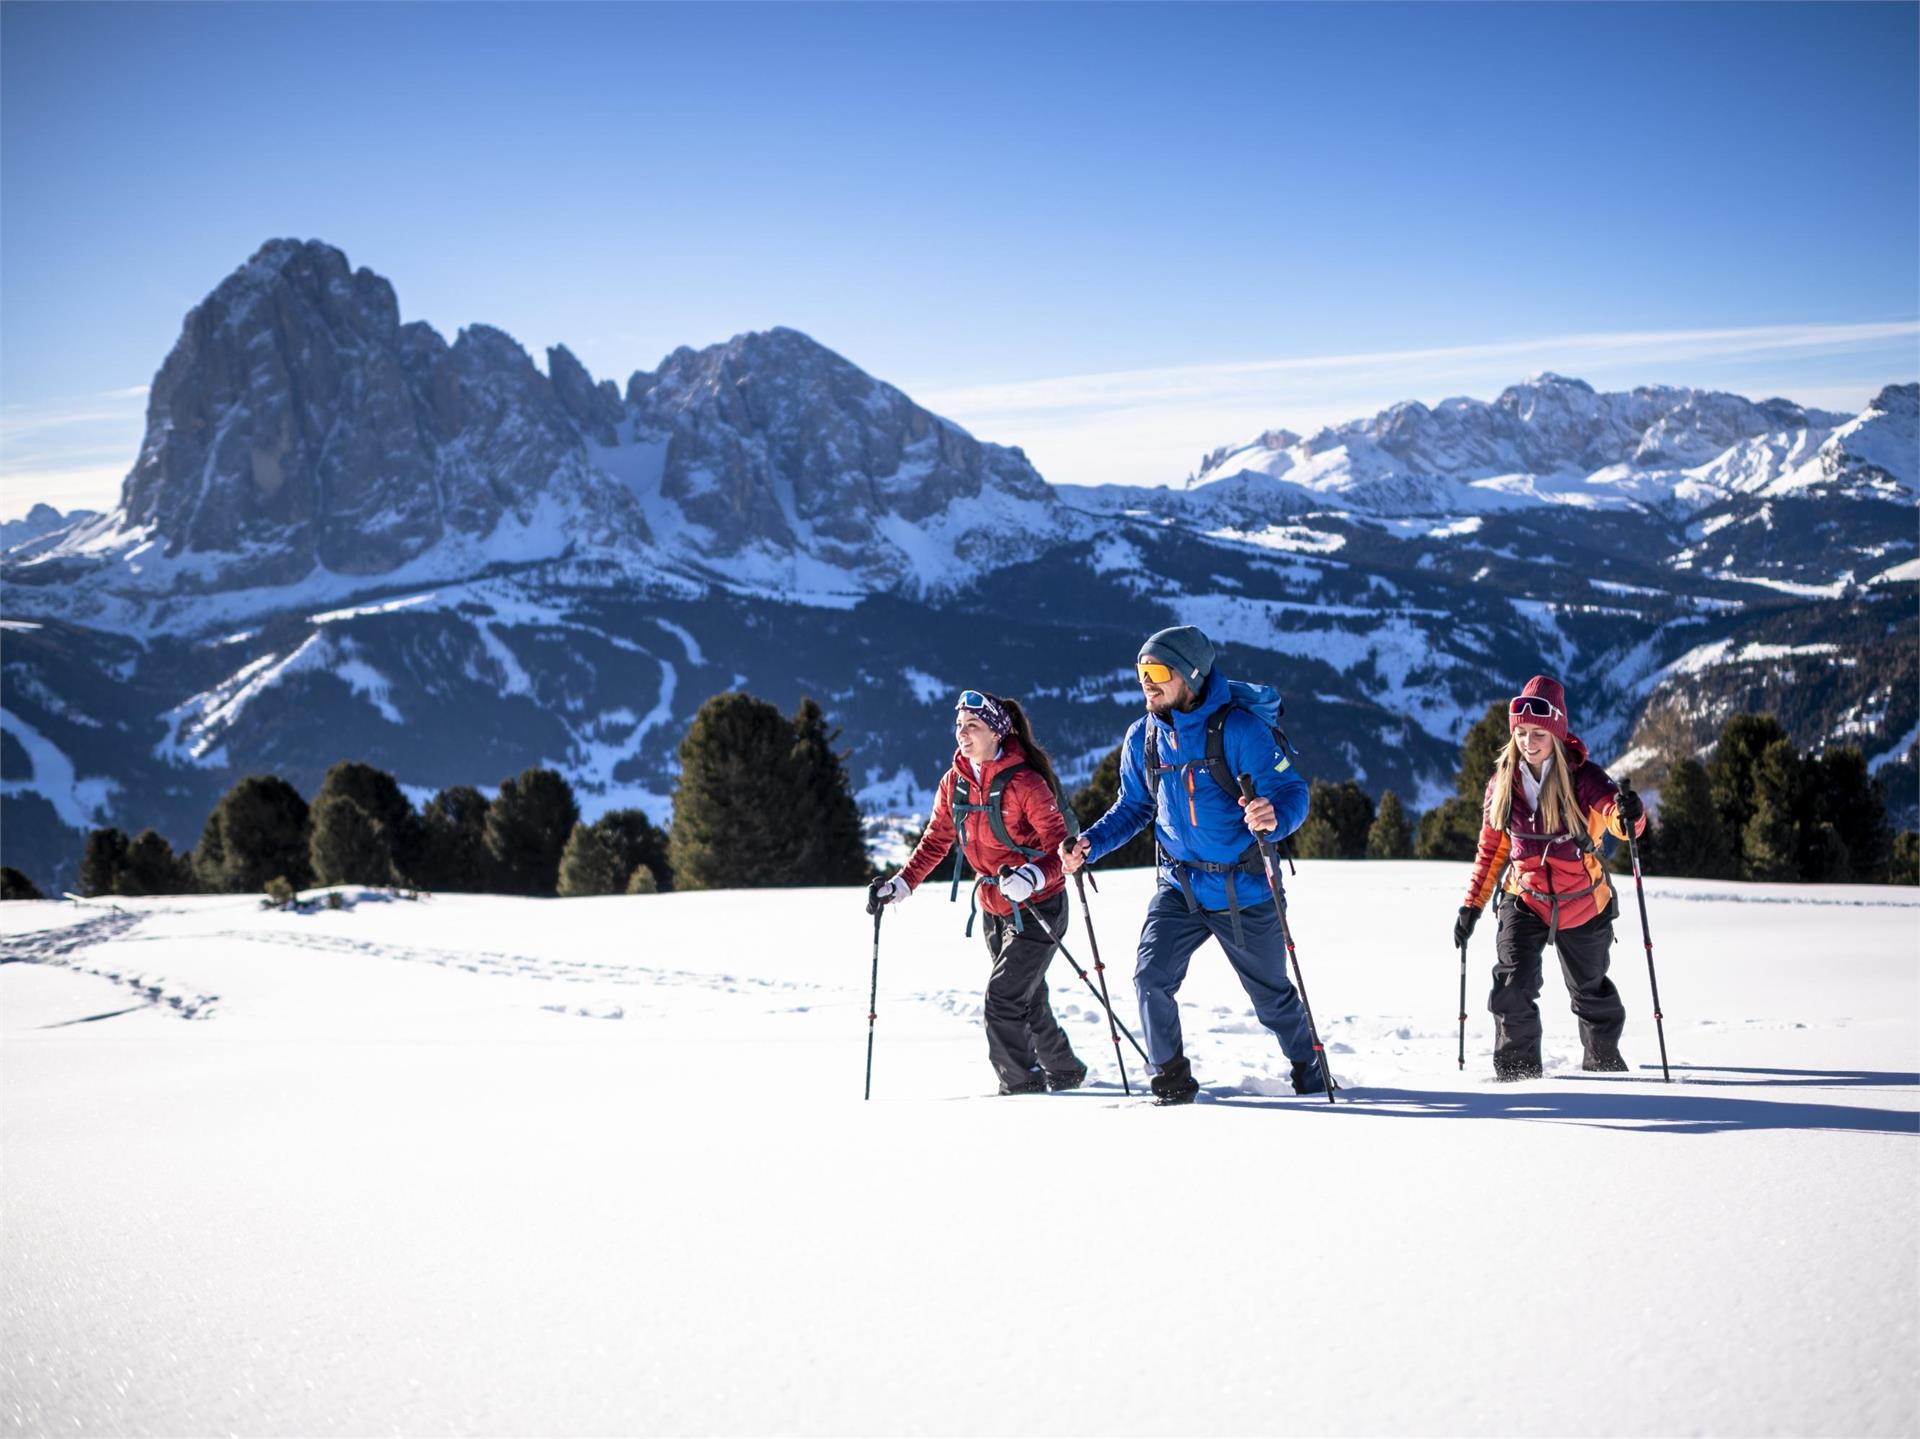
pixel 1024 1041
pixel 1514 1002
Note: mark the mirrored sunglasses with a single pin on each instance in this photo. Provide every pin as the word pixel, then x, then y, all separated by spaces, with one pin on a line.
pixel 970 700
pixel 1536 706
pixel 1154 672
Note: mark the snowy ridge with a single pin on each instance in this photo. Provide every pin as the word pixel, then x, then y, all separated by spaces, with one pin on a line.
pixel 1555 441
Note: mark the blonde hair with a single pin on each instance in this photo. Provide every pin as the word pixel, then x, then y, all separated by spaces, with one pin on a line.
pixel 1559 808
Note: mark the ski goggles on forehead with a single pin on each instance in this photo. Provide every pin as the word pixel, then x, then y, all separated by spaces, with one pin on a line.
pixel 1153 672
pixel 1535 706
pixel 990 711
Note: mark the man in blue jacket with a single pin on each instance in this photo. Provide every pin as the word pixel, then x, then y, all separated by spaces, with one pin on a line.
pixel 1212 881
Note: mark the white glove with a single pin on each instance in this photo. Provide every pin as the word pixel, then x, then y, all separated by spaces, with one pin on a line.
pixel 894 891
pixel 1019 885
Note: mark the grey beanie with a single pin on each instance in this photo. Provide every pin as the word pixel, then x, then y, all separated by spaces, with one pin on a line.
pixel 1183 649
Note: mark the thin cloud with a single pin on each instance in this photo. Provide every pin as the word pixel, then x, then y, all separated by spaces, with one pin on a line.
pixel 1570 353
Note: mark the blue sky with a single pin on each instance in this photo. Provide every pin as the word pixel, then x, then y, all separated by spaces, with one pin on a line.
pixel 1118 236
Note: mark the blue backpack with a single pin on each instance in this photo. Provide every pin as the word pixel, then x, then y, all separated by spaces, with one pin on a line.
pixel 1263 702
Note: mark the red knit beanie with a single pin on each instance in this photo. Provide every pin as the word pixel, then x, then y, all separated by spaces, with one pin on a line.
pixel 1540 687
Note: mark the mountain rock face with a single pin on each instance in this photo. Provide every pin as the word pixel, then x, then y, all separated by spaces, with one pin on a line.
pixel 773 442
pixel 345 537
pixel 298 430
pixel 298 425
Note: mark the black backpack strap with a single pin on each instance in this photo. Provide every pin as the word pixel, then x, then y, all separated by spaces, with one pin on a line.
pixel 996 811
pixel 1222 772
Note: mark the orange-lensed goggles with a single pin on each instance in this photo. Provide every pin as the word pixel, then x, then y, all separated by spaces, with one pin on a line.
pixel 1153 672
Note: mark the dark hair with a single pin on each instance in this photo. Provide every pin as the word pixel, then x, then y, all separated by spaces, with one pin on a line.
pixel 1023 731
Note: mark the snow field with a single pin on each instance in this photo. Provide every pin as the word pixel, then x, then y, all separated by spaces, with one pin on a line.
pixel 486 1165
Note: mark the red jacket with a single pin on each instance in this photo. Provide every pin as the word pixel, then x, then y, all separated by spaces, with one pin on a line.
pixel 1540 871
pixel 1032 818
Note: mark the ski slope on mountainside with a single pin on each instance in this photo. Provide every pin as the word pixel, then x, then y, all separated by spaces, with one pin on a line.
pixel 492 1166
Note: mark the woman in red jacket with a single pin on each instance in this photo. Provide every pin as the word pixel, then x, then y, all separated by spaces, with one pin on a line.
pixel 1546 807
pixel 996 751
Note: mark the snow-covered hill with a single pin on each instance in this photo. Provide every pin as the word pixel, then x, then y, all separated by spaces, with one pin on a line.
pixel 485 1165
pixel 346 537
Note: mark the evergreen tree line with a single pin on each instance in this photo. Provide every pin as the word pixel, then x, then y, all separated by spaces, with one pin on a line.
pixel 1757 810
pixel 762 801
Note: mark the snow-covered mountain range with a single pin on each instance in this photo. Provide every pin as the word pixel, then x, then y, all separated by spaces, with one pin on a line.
pixel 344 536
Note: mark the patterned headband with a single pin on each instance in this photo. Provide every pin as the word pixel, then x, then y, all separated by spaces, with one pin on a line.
pixel 992 713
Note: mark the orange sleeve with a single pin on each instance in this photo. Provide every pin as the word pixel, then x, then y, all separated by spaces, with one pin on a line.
pixel 1490 859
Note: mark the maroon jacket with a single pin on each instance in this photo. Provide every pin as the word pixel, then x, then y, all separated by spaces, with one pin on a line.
pixel 1032 818
pixel 1542 871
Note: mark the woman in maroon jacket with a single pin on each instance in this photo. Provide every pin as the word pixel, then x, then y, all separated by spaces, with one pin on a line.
pixel 1546 807
pixel 1028 1049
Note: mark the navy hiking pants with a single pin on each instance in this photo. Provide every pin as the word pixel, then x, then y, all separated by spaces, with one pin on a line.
pixel 1167 942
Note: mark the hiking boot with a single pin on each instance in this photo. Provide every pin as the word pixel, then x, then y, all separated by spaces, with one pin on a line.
pixel 1072 1079
pixel 1510 1067
pixel 1175 1084
pixel 1607 1061
pixel 1309 1077
pixel 1032 1082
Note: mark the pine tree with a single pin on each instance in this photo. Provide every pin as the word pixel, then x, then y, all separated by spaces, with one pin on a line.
pixel 1095 798
pixel 1389 837
pixel 1691 842
pixel 762 801
pixel 1450 830
pixel 209 857
pixel 1730 775
pixel 153 868
pixel 1849 798
pixel 832 846
pixel 15 885
pixel 1905 868
pixel 590 865
pixel 1338 817
pixel 257 832
pixel 1480 754
pixel 453 843
pixel 637 841
pixel 348 845
pixel 1770 842
pixel 641 881
pixel 1316 838
pixel 528 825
pixel 102 860
pixel 378 795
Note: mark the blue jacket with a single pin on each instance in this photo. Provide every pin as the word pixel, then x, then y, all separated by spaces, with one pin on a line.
pixel 1194 817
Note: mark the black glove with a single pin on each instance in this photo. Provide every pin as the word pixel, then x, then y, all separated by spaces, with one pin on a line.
pixel 1629 808
pixel 1463 926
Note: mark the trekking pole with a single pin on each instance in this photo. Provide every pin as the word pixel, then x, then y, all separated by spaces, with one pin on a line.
pixel 1463 1004
pixel 1079 883
pixel 873 991
pixel 1033 914
pixel 1272 863
pixel 1646 935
